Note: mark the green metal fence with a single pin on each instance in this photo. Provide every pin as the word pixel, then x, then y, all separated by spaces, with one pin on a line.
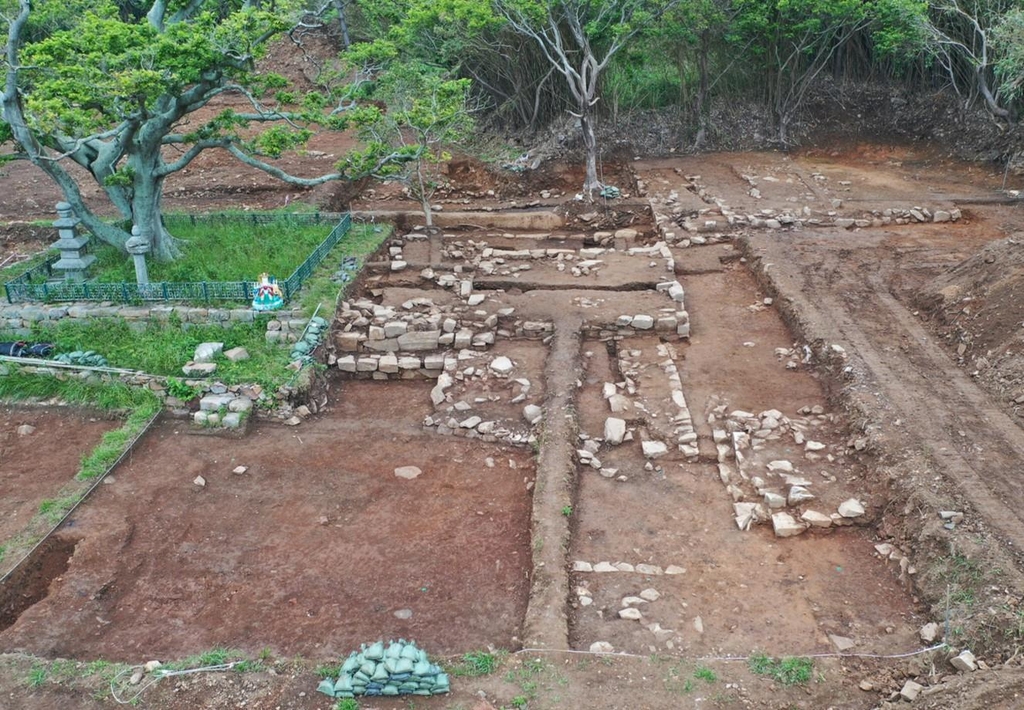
pixel 36 284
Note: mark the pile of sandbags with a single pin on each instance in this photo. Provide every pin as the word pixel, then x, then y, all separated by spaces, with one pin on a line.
pixel 398 668
pixel 303 349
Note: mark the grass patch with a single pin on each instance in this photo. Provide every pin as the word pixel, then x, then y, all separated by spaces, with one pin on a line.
pixel 222 250
pixel 37 675
pixel 163 348
pixel 13 271
pixel 962 576
pixel 787 671
pixel 705 674
pixel 476 663
pixel 360 242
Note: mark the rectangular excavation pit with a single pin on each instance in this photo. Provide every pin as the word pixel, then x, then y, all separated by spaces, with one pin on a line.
pixel 317 547
pixel 40 451
pixel 730 591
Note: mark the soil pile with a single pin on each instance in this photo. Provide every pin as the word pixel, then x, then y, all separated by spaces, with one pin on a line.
pixel 978 306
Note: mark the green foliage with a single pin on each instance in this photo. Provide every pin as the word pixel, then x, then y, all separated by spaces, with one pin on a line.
pixel 1008 40
pixel 319 289
pixel 476 663
pixel 427 112
pixel 347 704
pixel 705 674
pixel 963 578
pixel 787 671
pixel 15 270
pixel 223 251
pixel 567 510
pixel 179 390
pixel 162 349
pixel 37 675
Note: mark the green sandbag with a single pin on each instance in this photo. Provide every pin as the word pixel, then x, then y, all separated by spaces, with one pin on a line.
pixel 411 652
pixel 421 668
pixel 404 665
pixel 408 687
pixel 344 683
pixel 394 651
pixel 389 690
pixel 368 668
pixel 442 685
pixel 326 687
pixel 350 665
pixel 360 678
pixel 376 651
pixel 380 674
pixel 421 692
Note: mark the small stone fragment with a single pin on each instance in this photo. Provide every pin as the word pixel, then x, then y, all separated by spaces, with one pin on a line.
pixel 631 614
pixel 199 481
pixel 842 643
pixel 965 662
pixel 408 472
pixel 601 647
pixel 929 632
pixel 851 508
pixel 911 690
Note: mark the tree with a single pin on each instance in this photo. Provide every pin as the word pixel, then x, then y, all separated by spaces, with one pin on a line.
pixel 425 113
pixel 112 86
pixel 795 40
pixel 579 38
pixel 961 33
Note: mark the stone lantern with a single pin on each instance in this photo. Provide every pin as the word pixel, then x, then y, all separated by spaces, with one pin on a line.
pixel 138 247
pixel 72 262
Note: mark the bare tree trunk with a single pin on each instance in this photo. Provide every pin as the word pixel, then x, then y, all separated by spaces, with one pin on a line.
pixel 590 183
pixel 428 216
pixel 341 7
pixel 703 90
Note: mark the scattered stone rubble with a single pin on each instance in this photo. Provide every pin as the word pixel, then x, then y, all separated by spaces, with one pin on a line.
pixel 680 226
pixel 775 491
pixel 495 379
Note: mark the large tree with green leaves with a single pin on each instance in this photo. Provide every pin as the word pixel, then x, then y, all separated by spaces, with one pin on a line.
pixel 110 86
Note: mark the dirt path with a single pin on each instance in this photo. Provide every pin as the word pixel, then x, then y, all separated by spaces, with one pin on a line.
pixel 930 403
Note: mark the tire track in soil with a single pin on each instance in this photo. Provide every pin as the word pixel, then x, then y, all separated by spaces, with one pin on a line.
pixel 912 375
pixel 547 623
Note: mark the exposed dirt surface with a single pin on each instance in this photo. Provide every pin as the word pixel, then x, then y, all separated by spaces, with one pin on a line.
pixel 736 418
pixel 313 549
pixel 35 464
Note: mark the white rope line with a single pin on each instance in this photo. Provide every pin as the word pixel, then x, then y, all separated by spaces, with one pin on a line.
pixel 159 675
pixel 623 654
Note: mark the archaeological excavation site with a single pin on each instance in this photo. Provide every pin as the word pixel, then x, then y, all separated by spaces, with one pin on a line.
pixel 746 435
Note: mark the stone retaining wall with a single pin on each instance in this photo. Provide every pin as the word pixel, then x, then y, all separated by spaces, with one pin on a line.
pixel 20 318
pixel 718 217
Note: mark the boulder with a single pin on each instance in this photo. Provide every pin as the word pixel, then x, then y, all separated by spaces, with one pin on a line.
pixel 236 354
pixel 614 430
pixel 501 365
pixel 786 526
pixel 851 508
pixel 206 352
pixel 654 449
